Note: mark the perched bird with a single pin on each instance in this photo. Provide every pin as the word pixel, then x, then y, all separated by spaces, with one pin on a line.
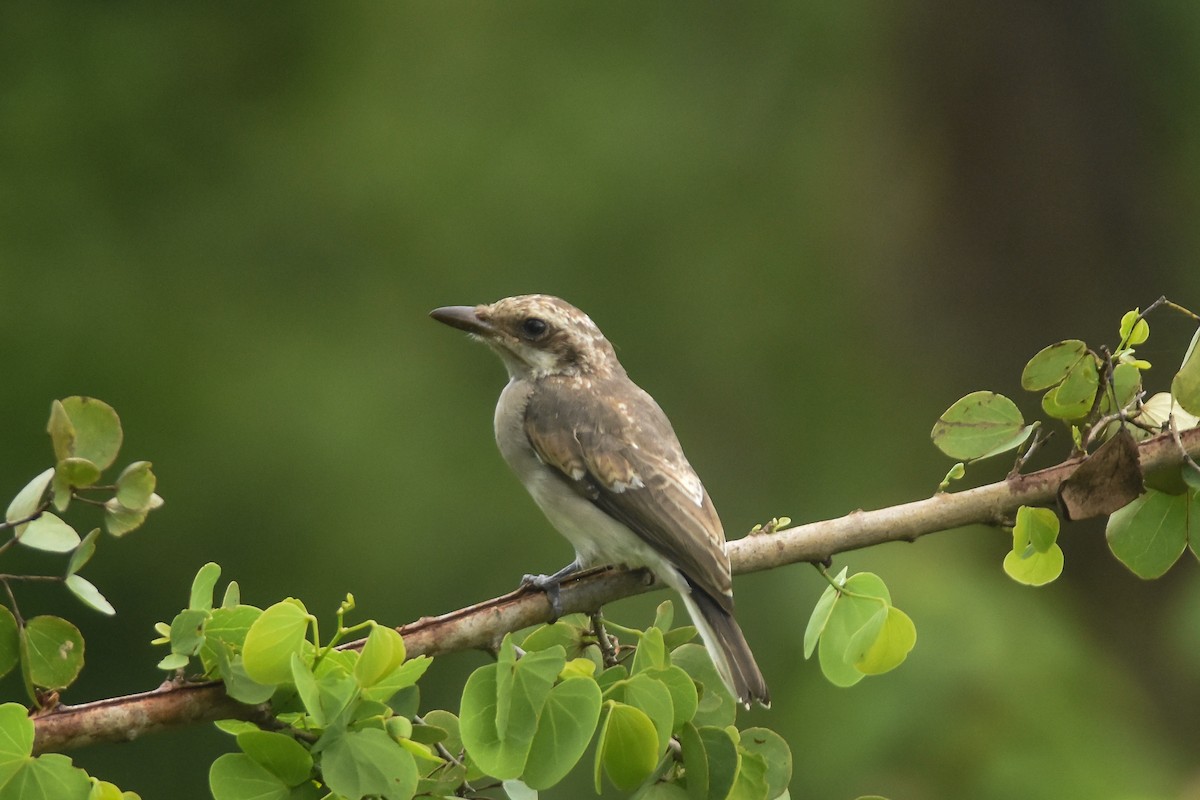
pixel 602 461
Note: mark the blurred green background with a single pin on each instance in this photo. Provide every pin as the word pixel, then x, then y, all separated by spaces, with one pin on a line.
pixel 807 227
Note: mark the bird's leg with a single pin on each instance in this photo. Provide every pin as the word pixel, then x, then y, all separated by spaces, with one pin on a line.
pixel 550 585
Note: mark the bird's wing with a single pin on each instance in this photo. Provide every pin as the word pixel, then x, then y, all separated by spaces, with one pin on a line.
pixel 614 445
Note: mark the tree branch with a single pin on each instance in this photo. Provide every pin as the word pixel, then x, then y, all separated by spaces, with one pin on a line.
pixel 482 625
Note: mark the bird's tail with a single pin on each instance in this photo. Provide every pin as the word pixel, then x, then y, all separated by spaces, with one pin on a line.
pixel 728 648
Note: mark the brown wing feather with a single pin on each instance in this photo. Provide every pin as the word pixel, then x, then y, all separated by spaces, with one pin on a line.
pixel 628 462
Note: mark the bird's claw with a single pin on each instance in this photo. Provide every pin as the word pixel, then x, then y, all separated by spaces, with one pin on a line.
pixel 549 584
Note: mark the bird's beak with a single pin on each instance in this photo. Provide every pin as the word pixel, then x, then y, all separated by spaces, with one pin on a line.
pixel 464 318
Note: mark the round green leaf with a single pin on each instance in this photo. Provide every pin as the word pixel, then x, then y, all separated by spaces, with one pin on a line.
pixel 979 425
pixel 119 520
pixel 84 552
pixel 818 619
pixel 382 654
pixel 1134 331
pixel 1035 526
pixel 1073 398
pixel 172 662
pixel 27 501
pixel 76 472
pixel 519 790
pixel 849 616
pixel 684 697
pixel 201 596
pixel 275 635
pixel 62 432
pixel 1051 365
pixel 55 652
pixel 628 749
pixel 1185 386
pixel 715 705
pixel 564 730
pixel 16 734
pixel 1034 567
pixel 722 759
pixel 654 698
pixel 51 534
pixel 775 753
pixel 187 631
pixel 889 646
pixel 97 431
pixel 751 781
pixel 1149 534
pixel 135 486
pixel 369 762
pixel 10 644
pixel 48 777
pixel 236 776
pixel 86 591
pixel 280 755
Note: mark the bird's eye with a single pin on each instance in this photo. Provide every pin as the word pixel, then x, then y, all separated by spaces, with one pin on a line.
pixel 534 327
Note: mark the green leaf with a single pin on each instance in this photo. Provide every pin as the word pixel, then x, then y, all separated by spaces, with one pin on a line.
pixel 119 520
pixel 1051 365
pixel 1034 567
pixel 76 473
pixel 684 697
pixel 172 662
pixel 27 501
pixel 722 759
pixel 55 652
pixel 561 633
pixel 306 687
pixel 1074 397
pixel 1037 527
pixel 188 631
pixel 369 762
pixel 96 428
pixel 135 486
pixel 47 777
pixel 695 762
pixel 651 652
pixel 564 729
pixel 236 776
pixel 818 620
pixel 382 655
pixel 398 679
pixel 1134 331
pixel 1126 381
pixel 226 626
pixel 1185 386
pixel 502 753
pixel 664 616
pixel 889 645
pixel 281 755
pixel 751 781
pixel 86 591
pixel 84 552
pixel 980 425
pixel 49 533
pixel 232 672
pixel 775 753
pixel 235 726
pixel 518 790
pixel 233 596
pixel 272 639
pixel 849 616
pixel 10 644
pixel 715 706
pixel 1149 534
pixel 201 597
pixel 662 791
pixel 628 747
pixel 654 698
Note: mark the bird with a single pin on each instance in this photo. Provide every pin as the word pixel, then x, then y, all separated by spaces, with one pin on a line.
pixel 603 463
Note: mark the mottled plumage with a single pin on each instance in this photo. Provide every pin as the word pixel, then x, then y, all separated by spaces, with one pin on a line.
pixel 600 458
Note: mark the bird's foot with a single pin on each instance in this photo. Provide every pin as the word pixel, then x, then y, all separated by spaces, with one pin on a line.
pixel 551 585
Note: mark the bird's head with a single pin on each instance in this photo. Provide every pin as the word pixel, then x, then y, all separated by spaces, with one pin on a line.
pixel 536 335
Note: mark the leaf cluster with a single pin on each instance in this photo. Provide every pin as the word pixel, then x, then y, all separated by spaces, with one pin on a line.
pixel 86 438
pixel 660 718
pixel 1099 395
